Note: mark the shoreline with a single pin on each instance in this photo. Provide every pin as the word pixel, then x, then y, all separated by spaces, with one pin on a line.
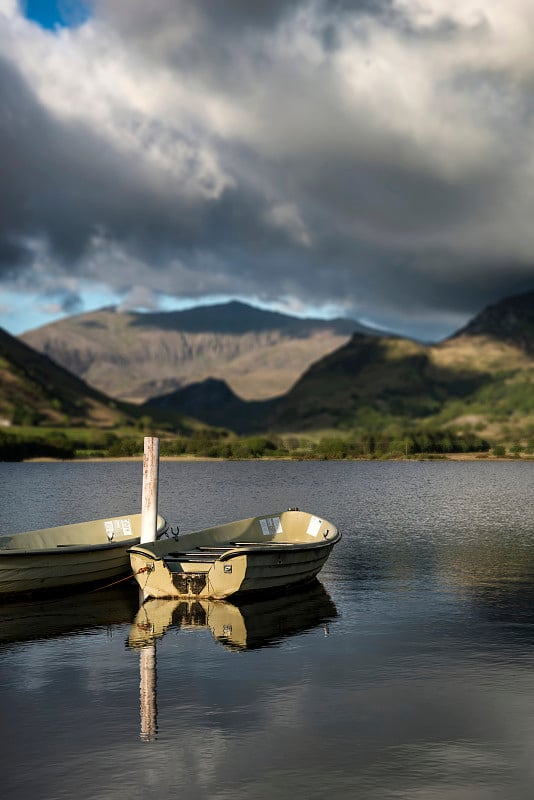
pixel 431 457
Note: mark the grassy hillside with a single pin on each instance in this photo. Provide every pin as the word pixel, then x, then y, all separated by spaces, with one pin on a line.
pixel 33 390
pixel 369 382
pixel 480 379
pixel 46 411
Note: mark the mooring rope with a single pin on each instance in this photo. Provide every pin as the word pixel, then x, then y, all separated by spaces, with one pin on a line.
pixel 120 580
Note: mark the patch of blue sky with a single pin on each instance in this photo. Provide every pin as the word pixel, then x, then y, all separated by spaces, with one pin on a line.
pixel 54 14
pixel 21 312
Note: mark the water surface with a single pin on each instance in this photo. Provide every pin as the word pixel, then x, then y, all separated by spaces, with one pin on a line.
pixel 406 672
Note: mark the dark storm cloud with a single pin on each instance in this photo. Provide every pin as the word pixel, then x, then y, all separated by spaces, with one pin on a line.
pixel 63 182
pixel 374 156
pixel 233 17
pixel 208 39
pixel 13 254
pixel 71 303
pixel 42 172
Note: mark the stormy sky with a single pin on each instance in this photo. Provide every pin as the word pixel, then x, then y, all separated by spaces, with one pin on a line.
pixel 364 158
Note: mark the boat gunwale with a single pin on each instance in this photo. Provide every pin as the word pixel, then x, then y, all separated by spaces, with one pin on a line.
pixel 86 547
pixel 273 547
pixel 65 549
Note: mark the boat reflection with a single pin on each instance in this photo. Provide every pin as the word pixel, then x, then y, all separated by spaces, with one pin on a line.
pixel 263 621
pixel 64 615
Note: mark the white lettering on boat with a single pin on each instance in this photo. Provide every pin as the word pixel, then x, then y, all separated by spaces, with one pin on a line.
pixel 126 527
pixel 313 526
pixel 118 526
pixel 270 526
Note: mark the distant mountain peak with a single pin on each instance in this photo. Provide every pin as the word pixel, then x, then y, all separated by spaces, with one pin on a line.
pixel 136 355
pixel 235 317
pixel 510 320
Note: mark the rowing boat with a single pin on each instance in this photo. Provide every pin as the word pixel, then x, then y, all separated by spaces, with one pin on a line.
pixel 69 556
pixel 255 554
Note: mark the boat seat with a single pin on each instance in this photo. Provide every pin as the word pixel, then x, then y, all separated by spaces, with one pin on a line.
pixel 247 544
pixel 260 544
pixel 174 566
pixel 189 557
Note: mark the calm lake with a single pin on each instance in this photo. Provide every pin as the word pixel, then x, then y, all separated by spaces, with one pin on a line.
pixel 407 671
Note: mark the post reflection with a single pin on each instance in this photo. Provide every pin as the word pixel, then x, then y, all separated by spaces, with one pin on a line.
pixel 254 623
pixel 147 695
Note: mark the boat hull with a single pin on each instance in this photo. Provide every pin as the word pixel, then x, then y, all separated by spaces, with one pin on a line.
pixel 68 556
pixel 236 558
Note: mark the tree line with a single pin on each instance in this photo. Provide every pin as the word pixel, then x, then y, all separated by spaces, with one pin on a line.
pixel 213 444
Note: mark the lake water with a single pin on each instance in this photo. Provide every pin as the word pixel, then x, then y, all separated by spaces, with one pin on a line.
pixel 406 672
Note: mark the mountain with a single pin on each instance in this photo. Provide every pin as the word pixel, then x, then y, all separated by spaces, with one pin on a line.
pixel 213 403
pixel 136 356
pixel 367 382
pixel 510 321
pixel 33 389
pixel 374 382
pixel 481 377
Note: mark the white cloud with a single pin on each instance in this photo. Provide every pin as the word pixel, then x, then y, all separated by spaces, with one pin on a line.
pixel 140 297
pixel 286 217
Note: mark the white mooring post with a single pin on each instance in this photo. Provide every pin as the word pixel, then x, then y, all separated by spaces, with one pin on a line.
pixel 149 510
pixel 149 522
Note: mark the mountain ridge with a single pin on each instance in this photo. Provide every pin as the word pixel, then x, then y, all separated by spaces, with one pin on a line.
pixel 133 356
pixel 480 377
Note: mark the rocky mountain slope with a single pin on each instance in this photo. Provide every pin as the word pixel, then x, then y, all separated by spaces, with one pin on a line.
pixel 136 356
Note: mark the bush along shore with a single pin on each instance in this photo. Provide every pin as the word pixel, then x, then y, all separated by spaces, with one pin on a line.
pixel 56 444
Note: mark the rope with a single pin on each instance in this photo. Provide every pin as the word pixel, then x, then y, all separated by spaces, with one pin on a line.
pixel 120 580
pixel 107 585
